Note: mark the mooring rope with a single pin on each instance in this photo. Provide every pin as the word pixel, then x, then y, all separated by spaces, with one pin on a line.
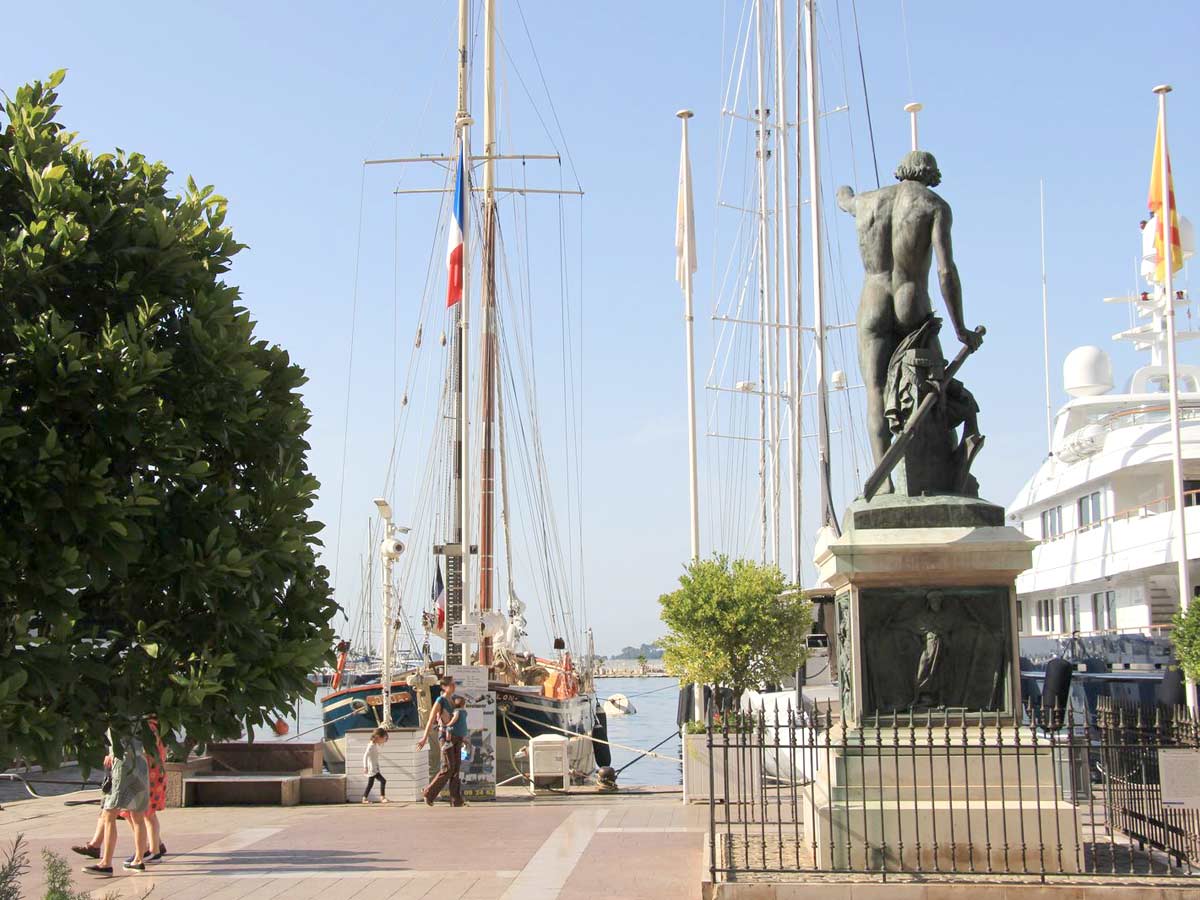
pixel 595 740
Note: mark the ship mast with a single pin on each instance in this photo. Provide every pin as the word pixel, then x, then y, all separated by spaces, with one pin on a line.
pixel 814 205
pixel 458 552
pixel 783 223
pixel 488 371
pixel 767 535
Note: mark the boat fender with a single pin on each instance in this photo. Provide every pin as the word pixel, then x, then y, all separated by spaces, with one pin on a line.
pixel 1170 690
pixel 1056 691
pixel 601 751
pixel 683 712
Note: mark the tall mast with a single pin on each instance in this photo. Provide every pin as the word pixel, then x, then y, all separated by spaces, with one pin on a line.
pixel 783 242
pixel 458 560
pixel 764 338
pixel 487 374
pixel 814 206
pixel 797 372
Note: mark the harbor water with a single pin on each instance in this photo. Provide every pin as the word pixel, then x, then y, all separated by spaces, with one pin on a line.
pixel 655 699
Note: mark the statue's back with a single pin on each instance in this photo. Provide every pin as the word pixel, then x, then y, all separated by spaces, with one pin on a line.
pixel 914 208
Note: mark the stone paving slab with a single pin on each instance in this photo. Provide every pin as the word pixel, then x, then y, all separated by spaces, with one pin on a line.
pixel 635 844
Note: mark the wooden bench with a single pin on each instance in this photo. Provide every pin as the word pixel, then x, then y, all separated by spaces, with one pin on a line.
pixel 247 789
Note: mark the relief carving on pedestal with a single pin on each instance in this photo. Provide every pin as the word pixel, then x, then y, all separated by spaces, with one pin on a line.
pixel 935 649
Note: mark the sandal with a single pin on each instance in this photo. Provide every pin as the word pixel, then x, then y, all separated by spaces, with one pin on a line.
pixel 87 850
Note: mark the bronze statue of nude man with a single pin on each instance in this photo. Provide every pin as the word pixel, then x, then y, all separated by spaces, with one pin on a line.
pixel 900 227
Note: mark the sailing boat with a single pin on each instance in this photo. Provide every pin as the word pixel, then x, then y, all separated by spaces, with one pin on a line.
pixel 535 695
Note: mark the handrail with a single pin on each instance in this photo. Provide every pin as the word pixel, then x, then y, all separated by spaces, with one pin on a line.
pixel 1142 630
pixel 1133 512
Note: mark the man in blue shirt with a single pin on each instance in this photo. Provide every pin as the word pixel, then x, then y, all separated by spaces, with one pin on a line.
pixel 451 748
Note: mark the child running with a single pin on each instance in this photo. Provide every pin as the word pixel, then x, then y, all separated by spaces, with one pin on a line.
pixel 371 766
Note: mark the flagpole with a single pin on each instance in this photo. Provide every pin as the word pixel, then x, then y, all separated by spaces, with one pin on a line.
pixel 1045 319
pixel 684 269
pixel 1164 222
pixel 686 273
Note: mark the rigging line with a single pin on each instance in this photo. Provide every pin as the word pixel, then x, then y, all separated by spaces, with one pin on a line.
pixel 570 422
pixel 398 436
pixel 582 380
pixel 907 54
pixel 841 42
pixel 553 111
pixel 395 310
pixel 862 71
pixel 727 128
pixel 362 189
pixel 529 461
pixel 528 94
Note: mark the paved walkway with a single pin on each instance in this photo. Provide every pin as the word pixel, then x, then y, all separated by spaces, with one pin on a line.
pixel 635 844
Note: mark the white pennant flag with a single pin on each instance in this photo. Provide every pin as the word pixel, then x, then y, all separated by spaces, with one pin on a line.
pixel 685 219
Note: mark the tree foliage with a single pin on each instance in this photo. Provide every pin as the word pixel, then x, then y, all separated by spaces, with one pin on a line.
pixel 731 624
pixel 1186 638
pixel 156 555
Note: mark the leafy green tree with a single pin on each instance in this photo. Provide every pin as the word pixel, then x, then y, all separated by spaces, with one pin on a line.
pixel 156 554
pixel 1186 638
pixel 734 625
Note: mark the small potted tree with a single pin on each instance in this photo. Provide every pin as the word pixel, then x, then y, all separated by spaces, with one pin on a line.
pixel 734 625
pixel 1186 639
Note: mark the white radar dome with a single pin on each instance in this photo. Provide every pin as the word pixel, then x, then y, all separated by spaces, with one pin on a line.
pixel 1087 372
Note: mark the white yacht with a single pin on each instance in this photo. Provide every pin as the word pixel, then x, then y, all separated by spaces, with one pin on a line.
pixel 1104 585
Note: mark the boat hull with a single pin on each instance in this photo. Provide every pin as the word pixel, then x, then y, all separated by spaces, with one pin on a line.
pixel 337 712
pixel 524 714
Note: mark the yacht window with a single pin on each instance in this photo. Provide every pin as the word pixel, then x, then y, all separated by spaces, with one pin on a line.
pixel 1051 523
pixel 1191 493
pixel 1089 510
pixel 1104 611
pixel 1020 618
pixel 1069 608
pixel 1045 615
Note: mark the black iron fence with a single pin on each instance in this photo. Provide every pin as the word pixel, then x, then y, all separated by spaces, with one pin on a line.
pixel 956 795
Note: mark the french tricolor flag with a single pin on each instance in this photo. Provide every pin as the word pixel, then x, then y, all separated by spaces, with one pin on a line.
pixel 454 247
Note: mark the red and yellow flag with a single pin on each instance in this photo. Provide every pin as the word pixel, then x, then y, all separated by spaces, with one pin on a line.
pixel 1159 185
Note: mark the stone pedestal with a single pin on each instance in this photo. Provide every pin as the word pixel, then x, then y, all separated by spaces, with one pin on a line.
pixel 930 749
pixel 925 607
pixel 948 799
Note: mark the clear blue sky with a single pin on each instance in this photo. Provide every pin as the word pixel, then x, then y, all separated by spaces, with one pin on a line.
pixel 277 105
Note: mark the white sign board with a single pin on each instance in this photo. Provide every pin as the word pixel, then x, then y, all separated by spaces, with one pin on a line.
pixel 478 772
pixel 465 633
pixel 1180 778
